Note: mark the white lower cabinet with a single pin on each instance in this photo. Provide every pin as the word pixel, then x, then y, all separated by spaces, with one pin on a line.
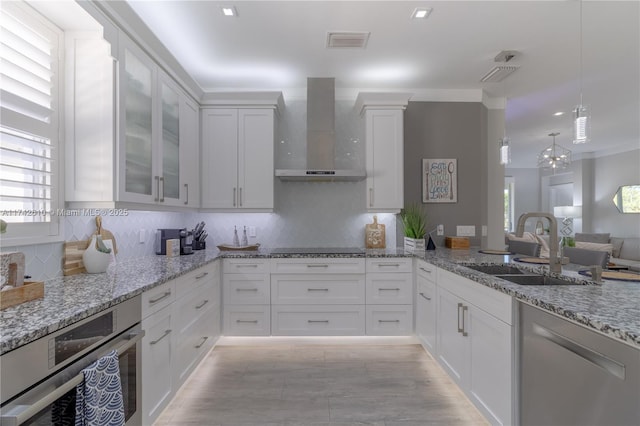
pixel 426 306
pixel 246 292
pixel 318 320
pixel 181 320
pixel 389 320
pixel 475 341
pixel 389 297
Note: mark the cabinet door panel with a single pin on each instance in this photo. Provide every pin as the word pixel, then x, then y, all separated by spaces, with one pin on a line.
pixel 452 345
pixel 219 167
pixel 426 313
pixel 189 153
pixel 255 158
pixel 393 288
pixel 170 143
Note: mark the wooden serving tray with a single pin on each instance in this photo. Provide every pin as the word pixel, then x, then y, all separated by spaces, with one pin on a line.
pixel 30 290
pixel 502 252
pixel 615 275
pixel 229 247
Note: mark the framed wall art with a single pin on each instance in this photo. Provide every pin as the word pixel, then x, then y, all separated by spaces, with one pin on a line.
pixel 439 180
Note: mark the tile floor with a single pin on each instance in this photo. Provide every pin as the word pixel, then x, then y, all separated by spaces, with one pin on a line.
pixel 310 385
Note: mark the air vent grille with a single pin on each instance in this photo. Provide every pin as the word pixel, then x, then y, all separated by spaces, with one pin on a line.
pixel 498 73
pixel 347 39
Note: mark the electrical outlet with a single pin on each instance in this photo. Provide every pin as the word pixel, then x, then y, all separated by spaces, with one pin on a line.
pixel 465 231
pixel 141 236
pixel 440 230
pixel 252 231
pixel 484 230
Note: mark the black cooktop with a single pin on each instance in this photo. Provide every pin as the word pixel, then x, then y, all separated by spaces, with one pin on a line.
pixel 317 250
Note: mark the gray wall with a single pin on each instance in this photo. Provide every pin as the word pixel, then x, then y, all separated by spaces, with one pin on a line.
pixel 446 130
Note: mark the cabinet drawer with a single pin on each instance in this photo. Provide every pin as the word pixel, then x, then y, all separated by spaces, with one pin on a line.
pixel 318 320
pixel 389 320
pixel 316 265
pixel 247 320
pixel 426 289
pixel 157 298
pixel 191 308
pixel 426 270
pixel 208 274
pixel 245 266
pixel 395 264
pixel 313 289
pixel 390 289
pixel 245 289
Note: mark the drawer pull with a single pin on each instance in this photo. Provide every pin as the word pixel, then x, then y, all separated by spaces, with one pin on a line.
pixel 313 321
pixel 388 320
pixel 251 265
pixel 317 289
pixel 246 289
pixel 425 270
pixel 204 340
pixel 202 275
pixel 422 294
pixel 389 289
pixel 202 304
pixel 166 333
pixel 157 299
pixel 318 266
pixel 395 265
pixel 247 321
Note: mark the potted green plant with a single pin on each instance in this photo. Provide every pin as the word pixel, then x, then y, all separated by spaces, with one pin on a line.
pixel 414 223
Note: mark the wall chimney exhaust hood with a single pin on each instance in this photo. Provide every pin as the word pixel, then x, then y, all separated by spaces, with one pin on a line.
pixel 321 138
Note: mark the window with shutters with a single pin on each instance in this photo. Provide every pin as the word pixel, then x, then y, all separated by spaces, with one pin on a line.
pixel 30 75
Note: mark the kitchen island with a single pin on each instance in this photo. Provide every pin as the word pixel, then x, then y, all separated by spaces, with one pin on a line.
pixel 611 307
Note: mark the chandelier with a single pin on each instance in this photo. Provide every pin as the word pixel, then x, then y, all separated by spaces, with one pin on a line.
pixel 554 156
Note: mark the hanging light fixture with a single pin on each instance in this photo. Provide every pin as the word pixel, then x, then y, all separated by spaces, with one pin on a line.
pixel 505 151
pixel 505 142
pixel 554 156
pixel 581 116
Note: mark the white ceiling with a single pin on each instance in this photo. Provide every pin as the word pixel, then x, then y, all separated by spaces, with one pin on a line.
pixel 276 45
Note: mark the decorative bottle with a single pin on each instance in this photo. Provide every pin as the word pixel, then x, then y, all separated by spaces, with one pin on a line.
pixel 245 241
pixel 236 241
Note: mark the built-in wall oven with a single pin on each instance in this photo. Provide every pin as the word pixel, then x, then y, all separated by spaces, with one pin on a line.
pixel 38 381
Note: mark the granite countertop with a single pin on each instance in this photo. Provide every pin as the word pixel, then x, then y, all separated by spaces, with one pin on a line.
pixel 611 308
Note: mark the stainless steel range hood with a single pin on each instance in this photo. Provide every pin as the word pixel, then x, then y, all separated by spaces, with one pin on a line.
pixel 321 138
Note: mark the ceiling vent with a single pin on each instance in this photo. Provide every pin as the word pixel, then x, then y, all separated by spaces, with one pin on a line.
pixel 346 39
pixel 498 73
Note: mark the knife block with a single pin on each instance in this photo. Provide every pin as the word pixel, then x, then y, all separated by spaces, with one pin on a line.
pixel 199 245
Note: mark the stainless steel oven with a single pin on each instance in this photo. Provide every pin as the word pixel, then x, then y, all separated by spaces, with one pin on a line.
pixel 38 381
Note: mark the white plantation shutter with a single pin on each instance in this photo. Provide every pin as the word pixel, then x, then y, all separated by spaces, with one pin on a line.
pixel 29 119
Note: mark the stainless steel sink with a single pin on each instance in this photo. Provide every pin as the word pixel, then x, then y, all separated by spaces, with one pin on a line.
pixel 495 269
pixel 535 280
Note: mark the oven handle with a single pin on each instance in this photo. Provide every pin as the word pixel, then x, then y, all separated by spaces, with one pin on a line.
pixel 42 403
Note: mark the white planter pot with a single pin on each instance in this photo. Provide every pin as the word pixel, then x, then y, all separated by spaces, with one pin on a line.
pixel 414 244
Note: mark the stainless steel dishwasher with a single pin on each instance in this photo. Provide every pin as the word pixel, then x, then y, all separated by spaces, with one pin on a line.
pixel 570 375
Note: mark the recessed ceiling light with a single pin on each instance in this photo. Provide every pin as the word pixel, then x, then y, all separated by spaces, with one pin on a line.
pixel 421 13
pixel 229 11
pixel 558 113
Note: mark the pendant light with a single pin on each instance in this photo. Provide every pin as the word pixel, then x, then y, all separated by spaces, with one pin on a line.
pixel 505 147
pixel 581 116
pixel 554 157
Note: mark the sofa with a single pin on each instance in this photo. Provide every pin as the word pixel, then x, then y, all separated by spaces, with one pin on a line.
pixel 625 251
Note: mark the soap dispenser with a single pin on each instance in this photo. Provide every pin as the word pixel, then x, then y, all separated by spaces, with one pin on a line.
pixel 236 241
pixel 245 241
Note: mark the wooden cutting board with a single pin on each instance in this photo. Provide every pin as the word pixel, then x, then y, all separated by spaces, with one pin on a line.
pixel 374 234
pixel 105 233
pixel 72 259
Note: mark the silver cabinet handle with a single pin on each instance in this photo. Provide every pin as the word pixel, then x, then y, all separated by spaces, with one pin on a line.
pixel 202 275
pixel 234 197
pixel 318 266
pixel 395 265
pixel 460 329
pixel 388 320
pixel 240 197
pixel 162 182
pixel 186 190
pixel 425 270
pixel 157 179
pixel 464 309
pixel 204 302
pixel 166 333
pixel 422 294
pixel 614 367
pixel 246 289
pixel 370 197
pixel 388 289
pixel 317 289
pixel 204 340
pixel 247 321
pixel 322 321
pixel 31 410
pixel 157 299
pixel 248 265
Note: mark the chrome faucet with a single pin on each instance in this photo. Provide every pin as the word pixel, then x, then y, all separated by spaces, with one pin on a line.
pixel 555 263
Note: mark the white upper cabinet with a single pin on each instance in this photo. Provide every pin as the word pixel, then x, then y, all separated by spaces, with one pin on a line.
pixel 141 151
pixel 237 166
pixel 383 115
